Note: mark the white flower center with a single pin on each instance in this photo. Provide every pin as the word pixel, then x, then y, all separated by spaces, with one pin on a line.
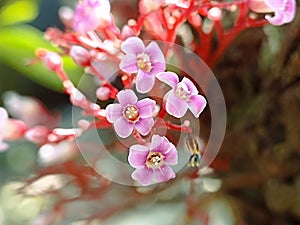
pixel 131 113
pixel 182 91
pixel 154 160
pixel 143 62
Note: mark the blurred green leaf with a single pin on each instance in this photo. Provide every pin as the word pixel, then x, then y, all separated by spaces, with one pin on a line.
pixel 18 11
pixel 19 43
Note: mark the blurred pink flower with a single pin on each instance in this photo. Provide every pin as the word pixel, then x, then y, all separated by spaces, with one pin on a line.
pixel 183 96
pixel 146 62
pixel 284 10
pixel 89 14
pixel 153 162
pixel 130 114
pixel 3 119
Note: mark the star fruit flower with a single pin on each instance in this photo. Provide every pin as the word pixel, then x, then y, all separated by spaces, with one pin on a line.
pixel 145 61
pixel 153 162
pixel 131 114
pixel 183 95
pixel 284 10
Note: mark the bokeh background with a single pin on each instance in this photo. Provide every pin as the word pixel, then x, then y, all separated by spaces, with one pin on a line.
pixel 257 172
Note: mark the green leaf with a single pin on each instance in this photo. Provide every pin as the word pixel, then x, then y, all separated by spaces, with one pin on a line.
pixel 18 11
pixel 18 45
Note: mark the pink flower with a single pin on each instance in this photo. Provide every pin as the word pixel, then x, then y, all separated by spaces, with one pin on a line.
pixel 131 114
pixel 284 10
pixel 3 119
pixel 146 62
pixel 183 96
pixel 152 162
pixel 89 14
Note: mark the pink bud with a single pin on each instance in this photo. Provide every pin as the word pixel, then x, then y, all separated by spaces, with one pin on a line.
pixel 66 15
pixel 80 56
pixel 37 134
pixel 214 14
pixel 76 97
pixel 52 154
pixel 84 124
pixel 195 19
pixel 103 93
pixel 127 32
pixel 13 129
pixel 52 60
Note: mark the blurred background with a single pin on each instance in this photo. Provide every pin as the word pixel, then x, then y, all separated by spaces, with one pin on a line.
pixel 256 179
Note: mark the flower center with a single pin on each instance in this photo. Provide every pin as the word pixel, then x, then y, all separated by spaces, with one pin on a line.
pixel 154 159
pixel 182 91
pixel 143 62
pixel 131 113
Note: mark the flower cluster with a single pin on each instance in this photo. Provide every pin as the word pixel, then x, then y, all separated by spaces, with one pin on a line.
pixel 131 116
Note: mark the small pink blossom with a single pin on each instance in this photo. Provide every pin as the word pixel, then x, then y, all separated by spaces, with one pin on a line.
pixel 89 14
pixel 153 162
pixel 183 96
pixel 284 10
pixel 146 62
pixel 131 114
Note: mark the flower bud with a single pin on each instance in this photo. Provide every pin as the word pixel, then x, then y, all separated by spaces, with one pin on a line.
pixel 52 60
pixel 214 14
pixel 103 93
pixel 52 154
pixel 66 15
pixel 13 129
pixel 80 56
pixel 127 32
pixel 37 134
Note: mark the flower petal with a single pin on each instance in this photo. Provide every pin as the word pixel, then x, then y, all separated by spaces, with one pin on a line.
pixel 285 11
pixel 160 144
pixel 144 82
pixel 157 67
pixel 146 107
pixel 129 63
pixel 156 141
pixel 138 155
pixel 196 104
pixel 163 174
pixel 169 78
pixel 144 125
pixel 277 19
pixel 123 128
pixel 175 106
pixel 143 175
pixel 276 4
pixel 133 45
pixel 114 112
pixel 190 85
pixel 127 97
pixel 171 156
pixel 155 53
